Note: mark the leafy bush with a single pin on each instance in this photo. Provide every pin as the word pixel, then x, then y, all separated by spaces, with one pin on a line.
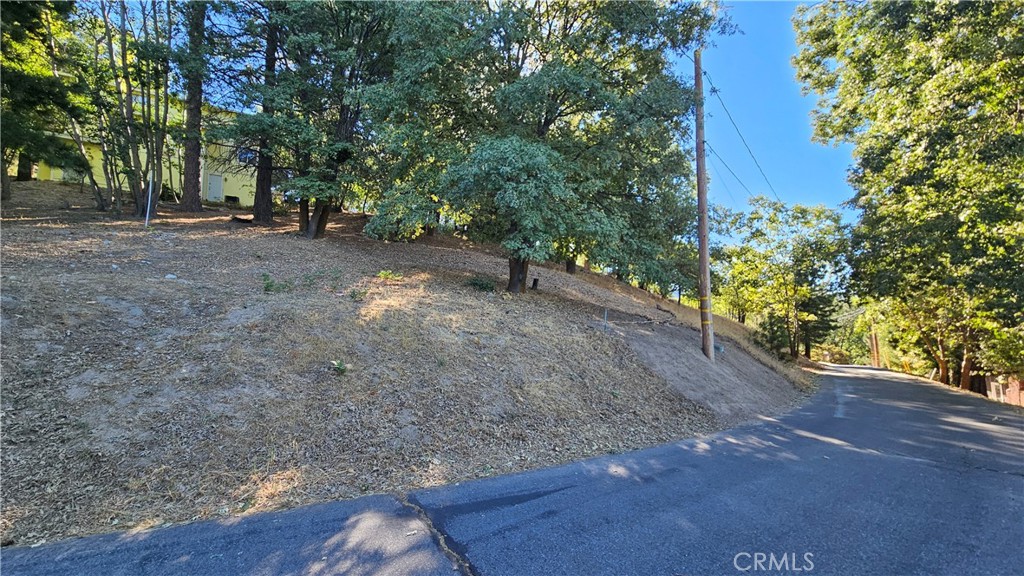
pixel 281 208
pixel 481 283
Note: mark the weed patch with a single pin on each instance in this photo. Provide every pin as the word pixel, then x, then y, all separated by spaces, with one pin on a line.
pixel 271 286
pixel 481 283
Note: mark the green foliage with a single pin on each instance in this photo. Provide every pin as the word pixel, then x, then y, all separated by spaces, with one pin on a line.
pixel 481 283
pixel 281 208
pixel 310 109
pixel 271 286
pixel 389 275
pixel 556 129
pixel 552 128
pixel 402 216
pixel 339 367
pixel 358 295
pixel 789 272
pixel 516 191
pixel 773 333
pixel 33 101
pixel 929 94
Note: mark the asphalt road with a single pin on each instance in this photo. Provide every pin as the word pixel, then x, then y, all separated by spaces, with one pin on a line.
pixel 876 474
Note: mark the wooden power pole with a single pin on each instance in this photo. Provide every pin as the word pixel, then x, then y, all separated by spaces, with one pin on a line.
pixel 707 330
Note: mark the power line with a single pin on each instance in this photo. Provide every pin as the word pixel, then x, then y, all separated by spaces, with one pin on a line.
pixel 722 180
pixel 717 93
pixel 726 164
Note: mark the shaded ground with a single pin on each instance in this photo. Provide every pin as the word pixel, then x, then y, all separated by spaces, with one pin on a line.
pixel 186 371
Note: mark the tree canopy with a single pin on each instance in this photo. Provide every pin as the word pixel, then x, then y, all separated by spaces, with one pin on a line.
pixel 32 99
pixel 790 272
pixel 553 128
pixel 931 95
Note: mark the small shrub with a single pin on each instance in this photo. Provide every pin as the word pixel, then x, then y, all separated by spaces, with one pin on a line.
pixel 389 275
pixel 481 283
pixel 339 366
pixel 271 286
pixel 281 208
pixel 358 295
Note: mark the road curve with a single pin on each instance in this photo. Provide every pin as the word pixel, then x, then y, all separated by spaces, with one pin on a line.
pixel 878 473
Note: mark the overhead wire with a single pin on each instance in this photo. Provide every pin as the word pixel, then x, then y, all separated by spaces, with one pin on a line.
pixel 727 167
pixel 718 175
pixel 717 93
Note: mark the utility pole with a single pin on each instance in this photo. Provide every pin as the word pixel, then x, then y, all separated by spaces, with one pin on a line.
pixel 707 331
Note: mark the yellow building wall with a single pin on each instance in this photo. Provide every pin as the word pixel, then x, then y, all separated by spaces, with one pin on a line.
pixel 238 181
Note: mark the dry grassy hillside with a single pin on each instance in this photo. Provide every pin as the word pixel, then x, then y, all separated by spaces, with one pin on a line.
pixel 188 370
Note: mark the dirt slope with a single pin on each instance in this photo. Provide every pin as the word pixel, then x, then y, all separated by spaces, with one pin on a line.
pixel 735 388
pixel 186 371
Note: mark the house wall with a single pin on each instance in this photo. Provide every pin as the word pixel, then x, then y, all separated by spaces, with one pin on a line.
pixel 238 181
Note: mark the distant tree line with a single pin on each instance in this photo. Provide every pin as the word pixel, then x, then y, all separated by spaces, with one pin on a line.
pixel 788 276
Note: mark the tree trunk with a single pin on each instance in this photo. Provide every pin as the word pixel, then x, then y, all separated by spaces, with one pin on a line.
pixel 263 202
pixel 162 97
pixel 807 346
pixel 793 336
pixel 24 168
pixel 965 370
pixel 125 91
pixel 303 215
pixel 943 370
pixel 5 179
pixel 432 227
pixel 570 265
pixel 194 71
pixel 518 269
pixel 317 225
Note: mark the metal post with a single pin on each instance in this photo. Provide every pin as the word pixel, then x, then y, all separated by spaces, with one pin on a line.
pixel 149 198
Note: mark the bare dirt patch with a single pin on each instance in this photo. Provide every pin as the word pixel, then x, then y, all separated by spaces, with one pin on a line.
pixel 201 368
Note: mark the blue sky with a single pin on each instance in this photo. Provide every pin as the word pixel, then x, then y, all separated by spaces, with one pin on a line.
pixel 756 80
